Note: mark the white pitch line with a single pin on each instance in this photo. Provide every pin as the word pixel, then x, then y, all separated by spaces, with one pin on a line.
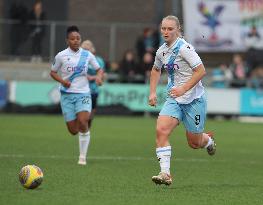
pixel 113 158
pixel 119 158
pixel 96 157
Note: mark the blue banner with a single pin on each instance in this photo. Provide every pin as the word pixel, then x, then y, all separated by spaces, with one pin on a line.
pixel 3 93
pixel 251 102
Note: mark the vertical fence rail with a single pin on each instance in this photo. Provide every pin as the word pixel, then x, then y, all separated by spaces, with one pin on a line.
pixel 112 48
pixel 52 41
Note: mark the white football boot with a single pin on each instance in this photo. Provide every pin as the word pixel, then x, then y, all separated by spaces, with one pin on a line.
pixel 211 149
pixel 82 161
pixel 162 178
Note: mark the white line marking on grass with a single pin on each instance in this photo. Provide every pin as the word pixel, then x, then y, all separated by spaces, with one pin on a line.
pixel 113 158
pixel 94 157
pixel 118 158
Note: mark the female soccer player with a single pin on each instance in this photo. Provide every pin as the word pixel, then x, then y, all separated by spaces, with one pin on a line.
pixel 94 89
pixel 70 70
pixel 185 102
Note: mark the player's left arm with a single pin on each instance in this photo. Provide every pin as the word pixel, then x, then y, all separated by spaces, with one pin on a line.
pixel 198 73
pixel 191 57
pixel 99 76
pixel 99 70
pixel 102 66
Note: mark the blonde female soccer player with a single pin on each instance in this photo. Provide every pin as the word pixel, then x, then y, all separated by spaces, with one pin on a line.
pixel 186 100
pixel 94 88
pixel 70 70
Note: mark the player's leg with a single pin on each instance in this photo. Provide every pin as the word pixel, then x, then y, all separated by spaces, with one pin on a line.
pixel 68 109
pixel 165 126
pixel 202 140
pixel 83 119
pixel 194 117
pixel 211 145
pixel 73 127
pixel 94 98
pixel 84 136
pixel 93 111
pixel 197 140
pixel 166 122
pixel 83 108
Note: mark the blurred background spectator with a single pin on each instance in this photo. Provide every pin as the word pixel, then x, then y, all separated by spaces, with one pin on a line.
pixel 256 78
pixel 239 70
pixel 254 48
pixel 145 66
pixel 221 76
pixel 37 30
pixel 128 67
pixel 19 30
pixel 113 72
pixel 148 42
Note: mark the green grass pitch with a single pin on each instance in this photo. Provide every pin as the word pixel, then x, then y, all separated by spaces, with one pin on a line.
pixel 122 160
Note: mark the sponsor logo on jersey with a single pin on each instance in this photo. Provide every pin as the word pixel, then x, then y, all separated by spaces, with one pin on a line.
pixel 76 68
pixel 172 66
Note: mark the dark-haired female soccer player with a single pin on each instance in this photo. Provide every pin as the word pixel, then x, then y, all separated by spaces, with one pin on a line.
pixel 70 70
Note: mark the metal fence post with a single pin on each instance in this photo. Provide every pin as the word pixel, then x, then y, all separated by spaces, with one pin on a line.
pixel 52 41
pixel 112 48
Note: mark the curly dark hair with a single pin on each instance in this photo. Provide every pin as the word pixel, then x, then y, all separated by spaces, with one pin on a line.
pixel 71 29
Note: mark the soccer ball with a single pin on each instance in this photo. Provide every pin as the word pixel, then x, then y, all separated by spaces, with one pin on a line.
pixel 30 176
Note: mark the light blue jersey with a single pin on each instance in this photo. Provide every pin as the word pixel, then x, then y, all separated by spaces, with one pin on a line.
pixel 179 60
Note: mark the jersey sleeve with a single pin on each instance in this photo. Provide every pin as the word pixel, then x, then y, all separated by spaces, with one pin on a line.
pixel 94 62
pixel 101 62
pixel 56 65
pixel 188 53
pixel 158 61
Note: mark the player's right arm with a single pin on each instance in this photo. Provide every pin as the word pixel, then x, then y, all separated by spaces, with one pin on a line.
pixel 54 72
pixel 154 79
pixel 56 77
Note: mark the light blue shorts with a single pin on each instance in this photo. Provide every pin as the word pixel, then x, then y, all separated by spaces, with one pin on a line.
pixel 193 115
pixel 73 103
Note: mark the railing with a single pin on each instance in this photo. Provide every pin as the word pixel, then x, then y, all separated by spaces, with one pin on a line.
pixel 110 39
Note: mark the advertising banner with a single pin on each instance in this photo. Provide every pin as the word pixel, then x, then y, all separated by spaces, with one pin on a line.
pixel 34 93
pixel 135 97
pixel 223 101
pixel 222 25
pixel 251 102
pixel 3 93
pixel 132 96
